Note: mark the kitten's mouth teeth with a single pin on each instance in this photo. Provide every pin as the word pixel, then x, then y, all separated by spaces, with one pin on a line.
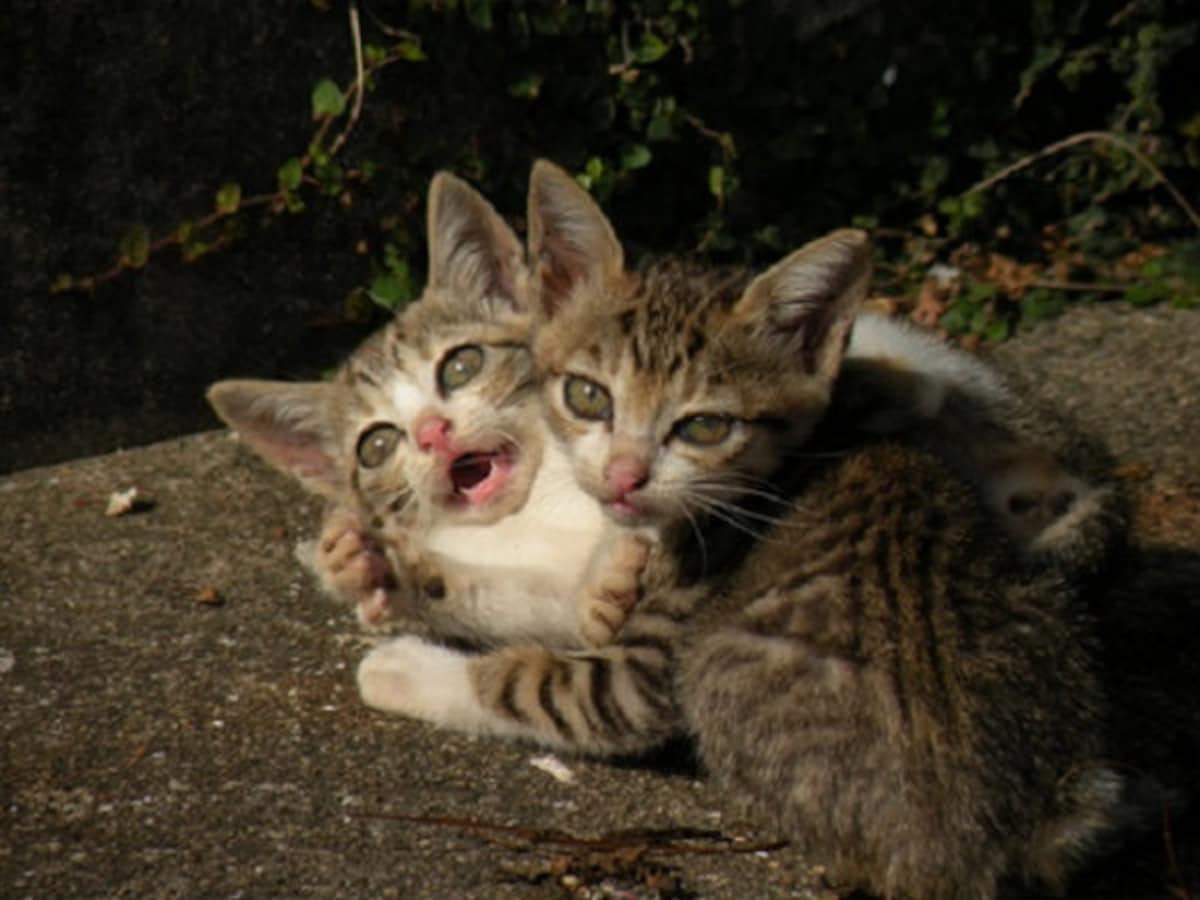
pixel 477 477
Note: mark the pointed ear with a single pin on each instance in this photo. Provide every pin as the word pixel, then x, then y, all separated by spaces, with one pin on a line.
pixel 473 253
pixel 293 426
pixel 807 302
pixel 570 239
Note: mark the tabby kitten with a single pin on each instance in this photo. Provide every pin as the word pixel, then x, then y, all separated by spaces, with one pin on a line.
pixel 451 510
pixel 856 648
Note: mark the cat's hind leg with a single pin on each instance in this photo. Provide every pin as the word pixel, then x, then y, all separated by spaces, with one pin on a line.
pixel 609 701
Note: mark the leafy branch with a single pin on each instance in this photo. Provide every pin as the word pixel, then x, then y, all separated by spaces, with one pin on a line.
pixel 317 168
pixel 1081 138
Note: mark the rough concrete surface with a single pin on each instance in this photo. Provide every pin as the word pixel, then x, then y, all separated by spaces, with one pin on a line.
pixel 153 745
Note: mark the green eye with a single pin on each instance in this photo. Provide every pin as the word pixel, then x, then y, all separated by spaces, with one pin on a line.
pixel 587 399
pixel 377 444
pixel 704 430
pixel 459 366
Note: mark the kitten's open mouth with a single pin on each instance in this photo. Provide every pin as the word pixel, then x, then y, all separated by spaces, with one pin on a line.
pixel 478 477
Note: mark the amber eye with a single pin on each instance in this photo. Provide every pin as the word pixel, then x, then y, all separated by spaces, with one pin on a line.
pixel 377 444
pixel 704 430
pixel 587 399
pixel 459 366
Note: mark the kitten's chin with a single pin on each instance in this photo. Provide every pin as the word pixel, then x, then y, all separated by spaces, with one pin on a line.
pixel 629 513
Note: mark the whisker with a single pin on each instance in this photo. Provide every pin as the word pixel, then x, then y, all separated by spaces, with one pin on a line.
pixel 726 514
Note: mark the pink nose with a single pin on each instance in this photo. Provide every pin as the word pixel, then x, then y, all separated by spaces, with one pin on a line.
pixel 625 474
pixel 434 433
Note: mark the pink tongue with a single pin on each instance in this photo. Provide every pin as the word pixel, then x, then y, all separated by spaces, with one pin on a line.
pixel 470 470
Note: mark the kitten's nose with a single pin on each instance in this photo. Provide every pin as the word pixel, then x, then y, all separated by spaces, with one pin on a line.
pixel 433 433
pixel 625 473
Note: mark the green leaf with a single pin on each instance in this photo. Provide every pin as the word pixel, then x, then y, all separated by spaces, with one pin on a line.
pixel 957 319
pixel 527 88
pixel 635 156
pixel 996 331
pixel 651 49
pixel 479 12
pixel 135 247
pixel 1147 293
pixel 290 174
pixel 327 99
pixel 392 289
pixel 716 182
pixel 1153 268
pixel 410 50
pixel 229 198
pixel 1040 304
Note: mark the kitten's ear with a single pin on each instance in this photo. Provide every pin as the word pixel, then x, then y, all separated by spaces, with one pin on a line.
pixel 473 254
pixel 293 426
pixel 570 240
pixel 807 301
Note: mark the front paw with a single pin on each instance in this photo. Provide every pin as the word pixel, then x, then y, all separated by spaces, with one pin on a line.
pixel 352 566
pixel 418 679
pixel 610 596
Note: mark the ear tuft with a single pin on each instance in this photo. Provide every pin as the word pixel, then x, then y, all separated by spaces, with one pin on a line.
pixel 472 251
pixel 571 241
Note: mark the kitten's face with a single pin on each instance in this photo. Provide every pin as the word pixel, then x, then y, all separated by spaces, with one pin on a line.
pixel 443 416
pixel 433 418
pixel 679 391
pixel 670 403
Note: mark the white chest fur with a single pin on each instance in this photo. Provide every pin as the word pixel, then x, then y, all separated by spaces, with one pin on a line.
pixel 552 536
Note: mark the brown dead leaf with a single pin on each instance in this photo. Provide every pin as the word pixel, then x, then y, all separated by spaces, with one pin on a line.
pixel 1010 276
pixel 1132 471
pixel 884 305
pixel 209 596
pixel 932 300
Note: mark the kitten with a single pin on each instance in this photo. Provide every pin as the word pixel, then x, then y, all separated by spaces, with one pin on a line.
pixel 451 510
pixel 858 650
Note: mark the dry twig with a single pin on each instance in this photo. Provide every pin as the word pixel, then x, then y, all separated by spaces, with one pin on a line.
pixel 1081 138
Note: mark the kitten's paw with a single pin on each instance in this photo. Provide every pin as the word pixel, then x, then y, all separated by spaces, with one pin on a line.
pixel 611 595
pixel 416 678
pixel 349 563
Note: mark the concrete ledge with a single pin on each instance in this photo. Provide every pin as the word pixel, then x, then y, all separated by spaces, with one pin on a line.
pixel 152 745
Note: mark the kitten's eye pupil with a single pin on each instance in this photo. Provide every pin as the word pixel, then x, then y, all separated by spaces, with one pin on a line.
pixel 705 430
pixel 377 444
pixel 459 366
pixel 587 399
